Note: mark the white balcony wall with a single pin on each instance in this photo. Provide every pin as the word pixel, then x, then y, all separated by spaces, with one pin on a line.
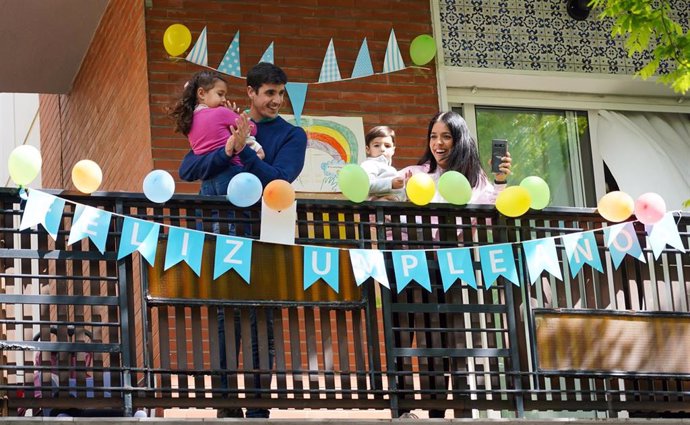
pixel 19 125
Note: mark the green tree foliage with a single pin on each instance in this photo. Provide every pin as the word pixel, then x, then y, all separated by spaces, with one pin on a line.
pixel 648 25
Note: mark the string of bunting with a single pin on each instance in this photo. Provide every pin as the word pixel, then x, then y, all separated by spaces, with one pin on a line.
pixel 235 253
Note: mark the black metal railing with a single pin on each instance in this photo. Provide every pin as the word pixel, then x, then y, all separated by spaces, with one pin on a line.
pixel 84 330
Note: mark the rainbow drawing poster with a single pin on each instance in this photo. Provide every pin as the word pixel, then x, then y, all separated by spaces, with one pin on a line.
pixel 332 142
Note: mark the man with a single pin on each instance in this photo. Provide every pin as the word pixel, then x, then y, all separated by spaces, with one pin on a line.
pixel 284 147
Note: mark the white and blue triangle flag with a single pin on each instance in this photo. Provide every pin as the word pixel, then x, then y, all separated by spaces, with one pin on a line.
pixel 664 231
pixel 45 209
pixel 321 263
pixel 498 260
pixel 411 265
pixel 329 68
pixel 454 264
pixel 541 255
pixel 268 54
pixel 184 245
pixel 92 223
pixel 621 240
pixel 393 60
pixel 368 263
pixel 199 53
pixel 231 61
pixel 363 67
pixel 233 253
pixel 298 95
pixel 581 249
pixel 139 235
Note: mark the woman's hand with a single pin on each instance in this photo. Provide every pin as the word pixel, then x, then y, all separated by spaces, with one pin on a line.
pixel 505 166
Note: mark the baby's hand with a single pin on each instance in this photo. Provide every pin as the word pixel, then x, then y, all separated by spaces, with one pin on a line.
pixel 261 154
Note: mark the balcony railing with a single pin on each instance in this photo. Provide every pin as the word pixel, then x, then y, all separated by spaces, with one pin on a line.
pixel 83 330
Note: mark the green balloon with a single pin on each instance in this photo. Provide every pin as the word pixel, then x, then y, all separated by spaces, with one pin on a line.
pixel 422 49
pixel 24 164
pixel 538 190
pixel 353 181
pixel 455 188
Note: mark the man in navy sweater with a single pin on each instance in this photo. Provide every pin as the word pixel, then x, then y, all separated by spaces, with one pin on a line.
pixel 285 146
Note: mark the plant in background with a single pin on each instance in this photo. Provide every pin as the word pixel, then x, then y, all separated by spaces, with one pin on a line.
pixel 648 25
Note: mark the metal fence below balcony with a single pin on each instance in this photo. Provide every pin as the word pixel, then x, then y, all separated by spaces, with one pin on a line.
pixel 88 333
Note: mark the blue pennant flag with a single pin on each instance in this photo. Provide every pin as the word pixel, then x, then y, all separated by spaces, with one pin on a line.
pixel 541 255
pixel 298 95
pixel 233 253
pixel 663 232
pixel 268 54
pixel 456 264
pixel 139 235
pixel 44 209
pixel 368 263
pixel 329 68
pixel 581 249
pixel 199 53
pixel 393 60
pixel 621 239
pixel 320 262
pixel 409 265
pixel 92 223
pixel 187 245
pixel 231 61
pixel 498 260
pixel 363 67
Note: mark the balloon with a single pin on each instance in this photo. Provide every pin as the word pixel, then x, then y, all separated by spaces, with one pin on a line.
pixel 538 191
pixel 422 49
pixel 455 188
pixel 353 181
pixel 616 206
pixel 650 208
pixel 24 164
pixel 176 39
pixel 159 186
pixel 279 195
pixel 244 190
pixel 420 189
pixel 86 176
pixel 513 201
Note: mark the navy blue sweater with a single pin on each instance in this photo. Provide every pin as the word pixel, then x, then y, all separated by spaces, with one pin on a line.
pixel 284 145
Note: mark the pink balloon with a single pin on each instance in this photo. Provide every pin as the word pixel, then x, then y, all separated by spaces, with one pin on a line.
pixel 650 208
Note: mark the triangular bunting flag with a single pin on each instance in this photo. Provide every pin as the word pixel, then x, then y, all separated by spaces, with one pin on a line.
pixel 393 60
pixel 663 232
pixel 187 245
pixel 231 61
pixel 329 68
pixel 298 95
pixel 139 235
pixel 621 239
pixel 541 255
pixel 92 223
pixel 199 53
pixel 498 260
pixel 581 249
pixel 363 65
pixel 321 263
pixel 233 253
pixel 454 264
pixel 409 265
pixel 268 54
pixel 42 208
pixel 367 263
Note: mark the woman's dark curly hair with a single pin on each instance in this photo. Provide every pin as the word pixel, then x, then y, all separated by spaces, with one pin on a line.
pixel 183 111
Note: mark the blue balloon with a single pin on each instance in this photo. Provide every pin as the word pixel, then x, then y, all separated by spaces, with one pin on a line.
pixel 159 186
pixel 244 190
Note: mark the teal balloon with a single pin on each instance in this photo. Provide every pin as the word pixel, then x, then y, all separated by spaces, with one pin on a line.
pixel 422 49
pixel 353 182
pixel 244 190
pixel 159 186
pixel 538 190
pixel 455 188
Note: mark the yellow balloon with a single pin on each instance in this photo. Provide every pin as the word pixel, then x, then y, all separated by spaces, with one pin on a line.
pixel 616 206
pixel 514 201
pixel 420 189
pixel 87 176
pixel 176 39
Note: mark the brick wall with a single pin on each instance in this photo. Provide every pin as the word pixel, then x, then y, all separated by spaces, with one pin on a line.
pixel 105 117
pixel 300 30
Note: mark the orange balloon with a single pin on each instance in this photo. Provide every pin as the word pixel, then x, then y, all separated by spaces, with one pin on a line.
pixel 279 195
pixel 616 206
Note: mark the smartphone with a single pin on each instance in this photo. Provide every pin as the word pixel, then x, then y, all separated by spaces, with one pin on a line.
pixel 499 147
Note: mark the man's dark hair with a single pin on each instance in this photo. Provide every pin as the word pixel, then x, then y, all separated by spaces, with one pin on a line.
pixel 265 73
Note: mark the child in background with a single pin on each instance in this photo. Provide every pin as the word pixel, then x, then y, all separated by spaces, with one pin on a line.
pixel 384 182
pixel 203 114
